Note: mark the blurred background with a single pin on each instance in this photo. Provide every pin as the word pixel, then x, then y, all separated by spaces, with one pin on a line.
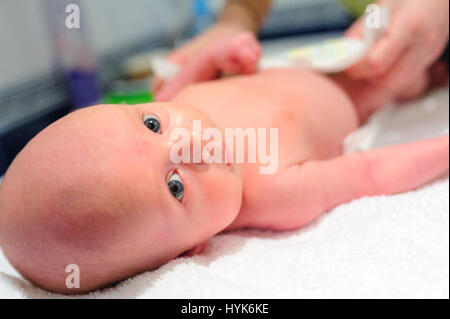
pixel 48 69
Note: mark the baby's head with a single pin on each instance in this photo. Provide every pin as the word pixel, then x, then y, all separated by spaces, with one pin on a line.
pixel 98 189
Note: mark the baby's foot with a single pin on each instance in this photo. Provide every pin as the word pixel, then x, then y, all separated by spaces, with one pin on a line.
pixel 238 55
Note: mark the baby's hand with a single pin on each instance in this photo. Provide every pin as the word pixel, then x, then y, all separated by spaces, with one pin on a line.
pixel 237 55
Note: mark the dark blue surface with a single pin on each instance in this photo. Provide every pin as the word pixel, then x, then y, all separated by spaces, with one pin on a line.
pixel 12 141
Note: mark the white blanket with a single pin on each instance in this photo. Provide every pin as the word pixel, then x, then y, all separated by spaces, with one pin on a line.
pixel 381 247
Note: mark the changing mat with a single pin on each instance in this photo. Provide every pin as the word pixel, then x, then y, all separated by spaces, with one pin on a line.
pixel 381 247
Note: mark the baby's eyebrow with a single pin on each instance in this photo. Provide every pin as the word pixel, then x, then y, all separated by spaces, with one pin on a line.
pixel 133 115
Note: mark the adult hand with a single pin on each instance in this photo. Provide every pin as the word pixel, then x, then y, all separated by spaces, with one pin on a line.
pixel 416 36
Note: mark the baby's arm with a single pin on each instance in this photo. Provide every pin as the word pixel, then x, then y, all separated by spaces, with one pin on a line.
pixel 308 190
pixel 237 55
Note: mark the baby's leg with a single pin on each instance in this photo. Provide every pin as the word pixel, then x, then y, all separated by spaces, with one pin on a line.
pixel 237 55
pixel 368 96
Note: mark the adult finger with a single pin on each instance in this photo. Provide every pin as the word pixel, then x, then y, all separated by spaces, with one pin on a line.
pixel 410 64
pixel 415 60
pixel 386 51
pixel 355 30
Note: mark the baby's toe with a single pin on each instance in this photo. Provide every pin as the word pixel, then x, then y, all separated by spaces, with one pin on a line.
pixel 249 60
pixel 240 54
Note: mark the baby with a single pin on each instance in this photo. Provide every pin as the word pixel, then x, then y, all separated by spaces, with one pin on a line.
pixel 99 188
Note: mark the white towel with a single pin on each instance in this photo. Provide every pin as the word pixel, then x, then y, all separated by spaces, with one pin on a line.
pixel 381 247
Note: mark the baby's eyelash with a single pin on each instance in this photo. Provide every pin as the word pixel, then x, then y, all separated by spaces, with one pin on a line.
pixel 152 123
pixel 176 186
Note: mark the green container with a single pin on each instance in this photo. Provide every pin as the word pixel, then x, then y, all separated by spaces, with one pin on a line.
pixel 356 7
pixel 131 98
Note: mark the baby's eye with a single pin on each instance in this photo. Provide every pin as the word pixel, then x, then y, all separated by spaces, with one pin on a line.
pixel 152 123
pixel 176 186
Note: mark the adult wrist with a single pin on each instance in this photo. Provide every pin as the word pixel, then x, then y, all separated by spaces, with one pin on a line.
pixel 239 17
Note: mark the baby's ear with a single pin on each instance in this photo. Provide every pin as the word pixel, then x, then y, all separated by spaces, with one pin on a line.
pixel 196 250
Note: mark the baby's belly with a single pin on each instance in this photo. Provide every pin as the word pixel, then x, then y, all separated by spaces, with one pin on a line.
pixel 312 114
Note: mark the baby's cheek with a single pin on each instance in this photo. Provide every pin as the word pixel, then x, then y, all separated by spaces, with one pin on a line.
pixel 221 196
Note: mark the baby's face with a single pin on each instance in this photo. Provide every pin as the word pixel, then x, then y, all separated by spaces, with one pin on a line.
pixel 196 200
pixel 111 184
